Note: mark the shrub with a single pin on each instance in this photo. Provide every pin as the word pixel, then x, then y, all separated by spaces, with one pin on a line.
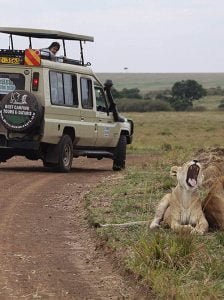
pixel 135 105
pixel 197 108
pixel 215 91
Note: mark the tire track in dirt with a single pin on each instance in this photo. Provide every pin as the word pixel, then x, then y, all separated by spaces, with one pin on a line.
pixel 47 249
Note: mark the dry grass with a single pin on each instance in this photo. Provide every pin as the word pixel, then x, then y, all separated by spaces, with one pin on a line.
pixel 166 131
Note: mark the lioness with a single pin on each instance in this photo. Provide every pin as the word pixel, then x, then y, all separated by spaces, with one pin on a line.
pixel 182 209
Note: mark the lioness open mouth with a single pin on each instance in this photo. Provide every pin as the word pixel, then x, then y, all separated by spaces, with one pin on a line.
pixel 192 175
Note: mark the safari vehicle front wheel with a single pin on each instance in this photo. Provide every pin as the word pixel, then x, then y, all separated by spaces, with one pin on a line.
pixel 120 154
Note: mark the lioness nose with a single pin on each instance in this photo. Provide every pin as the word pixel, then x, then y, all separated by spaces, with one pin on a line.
pixel 195 161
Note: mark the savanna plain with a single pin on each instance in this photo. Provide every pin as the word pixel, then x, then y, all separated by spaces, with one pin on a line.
pixel 171 265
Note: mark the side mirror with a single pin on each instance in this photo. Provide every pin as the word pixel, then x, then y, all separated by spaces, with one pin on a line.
pixel 108 84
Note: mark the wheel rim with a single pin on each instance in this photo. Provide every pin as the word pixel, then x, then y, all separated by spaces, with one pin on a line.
pixel 67 155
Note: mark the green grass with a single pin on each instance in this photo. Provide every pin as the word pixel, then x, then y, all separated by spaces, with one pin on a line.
pixel 174 266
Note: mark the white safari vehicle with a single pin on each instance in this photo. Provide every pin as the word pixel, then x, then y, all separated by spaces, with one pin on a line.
pixel 57 109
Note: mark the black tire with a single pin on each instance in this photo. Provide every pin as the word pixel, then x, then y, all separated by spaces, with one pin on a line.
pixel 48 165
pixel 120 154
pixel 4 158
pixel 20 111
pixel 65 154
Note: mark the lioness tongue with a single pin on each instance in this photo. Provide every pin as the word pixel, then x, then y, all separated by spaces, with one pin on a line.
pixel 192 181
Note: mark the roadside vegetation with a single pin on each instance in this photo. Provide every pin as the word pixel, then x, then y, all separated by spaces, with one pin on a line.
pixel 173 266
pixel 146 82
pixel 167 92
pixel 183 96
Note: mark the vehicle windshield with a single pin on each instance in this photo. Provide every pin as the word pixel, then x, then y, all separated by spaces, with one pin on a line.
pixel 10 82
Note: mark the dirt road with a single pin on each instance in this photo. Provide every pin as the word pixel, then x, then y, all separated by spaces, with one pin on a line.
pixel 47 249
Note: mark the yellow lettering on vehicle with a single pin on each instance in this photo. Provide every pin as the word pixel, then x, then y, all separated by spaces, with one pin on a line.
pixel 9 60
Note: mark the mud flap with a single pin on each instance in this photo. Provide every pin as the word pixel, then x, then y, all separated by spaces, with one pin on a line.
pixel 52 155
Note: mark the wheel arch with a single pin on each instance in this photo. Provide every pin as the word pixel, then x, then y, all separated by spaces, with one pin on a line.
pixel 126 133
pixel 69 131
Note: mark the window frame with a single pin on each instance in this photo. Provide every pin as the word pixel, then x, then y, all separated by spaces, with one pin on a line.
pixel 90 89
pixel 74 89
pixel 106 106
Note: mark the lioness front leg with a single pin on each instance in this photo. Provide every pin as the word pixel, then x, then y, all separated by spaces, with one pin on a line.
pixel 160 211
pixel 202 225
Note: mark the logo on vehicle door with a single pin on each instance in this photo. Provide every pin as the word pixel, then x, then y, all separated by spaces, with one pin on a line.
pixel 106 131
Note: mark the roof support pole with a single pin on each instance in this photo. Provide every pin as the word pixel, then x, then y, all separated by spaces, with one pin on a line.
pixel 11 40
pixel 30 42
pixel 63 41
pixel 81 52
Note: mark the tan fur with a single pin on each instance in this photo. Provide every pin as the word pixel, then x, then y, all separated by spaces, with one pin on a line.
pixel 181 209
pixel 213 205
pixel 128 224
pixel 212 161
pixel 211 174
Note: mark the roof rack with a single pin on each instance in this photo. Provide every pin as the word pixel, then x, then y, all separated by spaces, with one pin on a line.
pixel 47 34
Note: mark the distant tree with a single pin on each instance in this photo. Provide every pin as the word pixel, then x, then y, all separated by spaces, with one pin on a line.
pixel 184 92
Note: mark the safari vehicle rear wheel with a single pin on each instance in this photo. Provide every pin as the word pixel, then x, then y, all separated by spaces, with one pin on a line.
pixel 20 111
pixel 120 154
pixel 65 154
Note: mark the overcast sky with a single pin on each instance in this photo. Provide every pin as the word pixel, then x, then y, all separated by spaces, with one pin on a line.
pixel 141 35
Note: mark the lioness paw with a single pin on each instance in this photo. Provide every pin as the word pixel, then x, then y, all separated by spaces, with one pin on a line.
pixel 188 227
pixel 184 228
pixel 154 225
pixel 196 231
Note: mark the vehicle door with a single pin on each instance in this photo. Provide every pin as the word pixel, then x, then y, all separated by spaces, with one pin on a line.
pixel 63 110
pixel 87 128
pixel 107 130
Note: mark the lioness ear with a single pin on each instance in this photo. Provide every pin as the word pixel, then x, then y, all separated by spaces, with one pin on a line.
pixel 173 171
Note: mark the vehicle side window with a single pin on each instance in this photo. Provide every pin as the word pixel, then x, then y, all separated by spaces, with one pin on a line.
pixel 101 104
pixel 63 89
pixel 86 93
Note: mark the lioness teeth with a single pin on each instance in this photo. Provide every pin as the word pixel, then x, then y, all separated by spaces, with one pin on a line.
pixel 192 182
